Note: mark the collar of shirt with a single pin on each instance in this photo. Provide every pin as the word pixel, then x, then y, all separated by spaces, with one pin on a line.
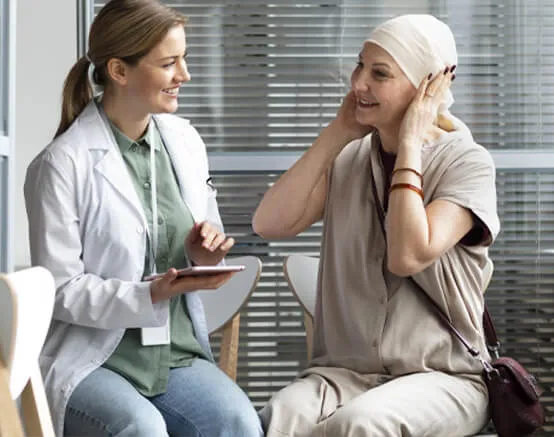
pixel 150 137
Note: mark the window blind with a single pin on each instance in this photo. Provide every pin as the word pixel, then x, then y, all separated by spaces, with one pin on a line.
pixel 267 78
pixel 270 76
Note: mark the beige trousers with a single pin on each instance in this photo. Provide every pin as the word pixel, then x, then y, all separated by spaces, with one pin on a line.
pixel 341 403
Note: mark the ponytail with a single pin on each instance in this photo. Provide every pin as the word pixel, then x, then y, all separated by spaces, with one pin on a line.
pixel 77 94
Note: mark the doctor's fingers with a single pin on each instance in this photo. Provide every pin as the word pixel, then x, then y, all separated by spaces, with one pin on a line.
pixel 222 243
pixel 194 234
pixel 206 229
pixel 169 276
pixel 208 235
pixel 216 243
pixel 227 245
pixel 193 283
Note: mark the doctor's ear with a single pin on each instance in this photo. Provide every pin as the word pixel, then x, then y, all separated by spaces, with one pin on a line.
pixel 117 71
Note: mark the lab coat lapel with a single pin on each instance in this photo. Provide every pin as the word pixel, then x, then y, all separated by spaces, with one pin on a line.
pixel 111 166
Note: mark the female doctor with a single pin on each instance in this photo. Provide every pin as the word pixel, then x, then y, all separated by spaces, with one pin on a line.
pixel 121 193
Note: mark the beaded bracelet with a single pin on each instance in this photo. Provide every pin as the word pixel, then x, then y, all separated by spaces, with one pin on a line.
pixel 413 170
pixel 408 186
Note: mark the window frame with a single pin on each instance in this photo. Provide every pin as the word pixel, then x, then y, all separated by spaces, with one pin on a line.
pixel 7 133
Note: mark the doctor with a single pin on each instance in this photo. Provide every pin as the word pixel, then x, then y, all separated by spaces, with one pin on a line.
pixel 121 193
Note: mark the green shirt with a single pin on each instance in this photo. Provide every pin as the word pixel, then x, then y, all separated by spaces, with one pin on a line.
pixel 147 367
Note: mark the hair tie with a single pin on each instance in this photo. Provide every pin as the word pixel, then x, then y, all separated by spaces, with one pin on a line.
pixel 95 87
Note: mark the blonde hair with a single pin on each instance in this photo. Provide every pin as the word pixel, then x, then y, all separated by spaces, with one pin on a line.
pixel 123 29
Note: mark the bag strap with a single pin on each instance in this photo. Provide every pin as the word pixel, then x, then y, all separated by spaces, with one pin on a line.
pixel 490 333
pixel 493 344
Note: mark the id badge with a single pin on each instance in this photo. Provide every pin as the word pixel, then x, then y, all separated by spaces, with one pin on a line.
pixel 155 336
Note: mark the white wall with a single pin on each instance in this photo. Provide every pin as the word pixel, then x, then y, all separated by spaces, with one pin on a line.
pixel 46 50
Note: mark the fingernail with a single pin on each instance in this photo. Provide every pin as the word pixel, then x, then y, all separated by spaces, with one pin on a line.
pixel 452 69
pixel 446 70
pixel 453 77
pixel 430 76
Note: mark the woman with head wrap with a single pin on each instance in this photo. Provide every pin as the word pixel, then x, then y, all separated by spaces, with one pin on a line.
pixel 383 364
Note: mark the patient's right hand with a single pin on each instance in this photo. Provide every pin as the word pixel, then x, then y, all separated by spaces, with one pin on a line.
pixel 346 118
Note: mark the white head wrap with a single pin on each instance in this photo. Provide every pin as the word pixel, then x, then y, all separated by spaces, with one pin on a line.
pixel 420 44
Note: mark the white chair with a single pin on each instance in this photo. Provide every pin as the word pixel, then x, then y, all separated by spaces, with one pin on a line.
pixel 222 307
pixel 26 305
pixel 301 273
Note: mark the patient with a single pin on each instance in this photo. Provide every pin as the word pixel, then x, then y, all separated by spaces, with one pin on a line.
pixel 383 364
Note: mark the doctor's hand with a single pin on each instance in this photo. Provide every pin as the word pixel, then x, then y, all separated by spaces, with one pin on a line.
pixel 206 245
pixel 169 285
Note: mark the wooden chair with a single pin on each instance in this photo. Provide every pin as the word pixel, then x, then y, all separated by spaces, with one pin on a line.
pixel 301 274
pixel 222 307
pixel 26 305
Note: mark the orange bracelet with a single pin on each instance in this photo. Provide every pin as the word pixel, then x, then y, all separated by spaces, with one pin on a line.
pixel 413 170
pixel 408 186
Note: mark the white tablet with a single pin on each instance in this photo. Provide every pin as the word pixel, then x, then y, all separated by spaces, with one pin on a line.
pixel 199 271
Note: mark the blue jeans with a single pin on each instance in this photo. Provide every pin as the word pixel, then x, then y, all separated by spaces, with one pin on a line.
pixel 200 401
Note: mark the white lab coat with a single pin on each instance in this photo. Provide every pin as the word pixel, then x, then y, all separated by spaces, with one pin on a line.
pixel 87 226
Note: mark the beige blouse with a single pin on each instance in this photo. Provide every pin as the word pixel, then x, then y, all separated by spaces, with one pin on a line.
pixel 372 321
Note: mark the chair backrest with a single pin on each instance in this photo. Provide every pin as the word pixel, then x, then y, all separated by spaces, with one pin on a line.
pixel 26 305
pixel 301 275
pixel 222 307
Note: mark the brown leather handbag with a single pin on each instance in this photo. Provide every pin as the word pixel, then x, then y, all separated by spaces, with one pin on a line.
pixel 514 395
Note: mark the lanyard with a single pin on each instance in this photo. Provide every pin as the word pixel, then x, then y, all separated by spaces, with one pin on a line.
pixel 154 200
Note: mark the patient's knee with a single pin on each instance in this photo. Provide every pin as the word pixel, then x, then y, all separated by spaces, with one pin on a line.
pixel 288 415
pixel 353 422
